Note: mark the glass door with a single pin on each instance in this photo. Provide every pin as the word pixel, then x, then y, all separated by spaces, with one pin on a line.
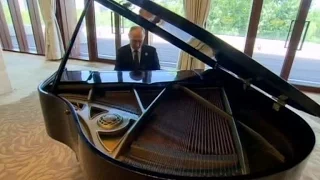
pixel 229 21
pixel 27 25
pixel 101 31
pixel 168 53
pixel 105 32
pixel 275 27
pixel 19 26
pixel 81 45
pixel 306 65
pixel 112 32
pixel 125 26
pixel 9 21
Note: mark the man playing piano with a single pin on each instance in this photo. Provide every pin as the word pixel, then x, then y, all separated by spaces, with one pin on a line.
pixel 136 56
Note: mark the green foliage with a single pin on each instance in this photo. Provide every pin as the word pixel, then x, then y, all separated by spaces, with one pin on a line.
pixel 24 14
pixel 103 18
pixel 174 6
pixel 7 14
pixel 231 17
pixel 313 33
pixel 276 18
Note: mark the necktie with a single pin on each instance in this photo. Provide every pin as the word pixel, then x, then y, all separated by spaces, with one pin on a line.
pixel 136 63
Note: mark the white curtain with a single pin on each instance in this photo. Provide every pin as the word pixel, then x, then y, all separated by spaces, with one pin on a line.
pixel 196 11
pixel 54 45
pixel 5 86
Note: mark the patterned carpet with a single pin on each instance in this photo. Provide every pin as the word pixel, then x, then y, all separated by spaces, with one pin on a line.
pixel 27 153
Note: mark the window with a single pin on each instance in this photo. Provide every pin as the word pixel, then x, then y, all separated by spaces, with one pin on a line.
pixel 306 65
pixel 168 53
pixel 20 23
pixel 82 41
pixel 9 21
pixel 269 49
pixel 105 31
pixel 229 20
pixel 27 25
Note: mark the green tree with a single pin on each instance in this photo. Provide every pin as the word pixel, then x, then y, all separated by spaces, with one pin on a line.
pixel 174 6
pixel 229 17
pixel 276 18
pixel 313 34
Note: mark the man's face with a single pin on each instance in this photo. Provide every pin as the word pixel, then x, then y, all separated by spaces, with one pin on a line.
pixel 136 38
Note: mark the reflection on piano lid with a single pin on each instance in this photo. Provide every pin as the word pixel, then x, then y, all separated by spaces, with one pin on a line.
pixel 145 77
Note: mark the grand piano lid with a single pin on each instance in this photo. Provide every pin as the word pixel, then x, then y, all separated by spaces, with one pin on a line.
pixel 226 57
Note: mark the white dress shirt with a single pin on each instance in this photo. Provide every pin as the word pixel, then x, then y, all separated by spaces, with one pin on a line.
pixel 139 53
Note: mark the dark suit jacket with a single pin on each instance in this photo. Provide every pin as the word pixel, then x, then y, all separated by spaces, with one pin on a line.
pixel 148 61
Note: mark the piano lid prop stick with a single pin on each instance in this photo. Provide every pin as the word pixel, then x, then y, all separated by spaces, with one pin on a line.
pixel 69 49
pixel 138 100
pixel 90 95
pixel 205 102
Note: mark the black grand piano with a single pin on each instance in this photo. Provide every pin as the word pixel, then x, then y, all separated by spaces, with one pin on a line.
pixel 231 121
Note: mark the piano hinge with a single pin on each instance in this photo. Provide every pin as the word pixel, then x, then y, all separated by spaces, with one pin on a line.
pixel 281 101
pixel 216 66
pixel 246 83
pixel 90 95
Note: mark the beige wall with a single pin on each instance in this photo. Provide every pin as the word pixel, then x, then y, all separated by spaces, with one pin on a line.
pixel 5 86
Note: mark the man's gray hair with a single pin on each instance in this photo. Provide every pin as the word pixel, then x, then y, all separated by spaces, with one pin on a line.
pixel 137 27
